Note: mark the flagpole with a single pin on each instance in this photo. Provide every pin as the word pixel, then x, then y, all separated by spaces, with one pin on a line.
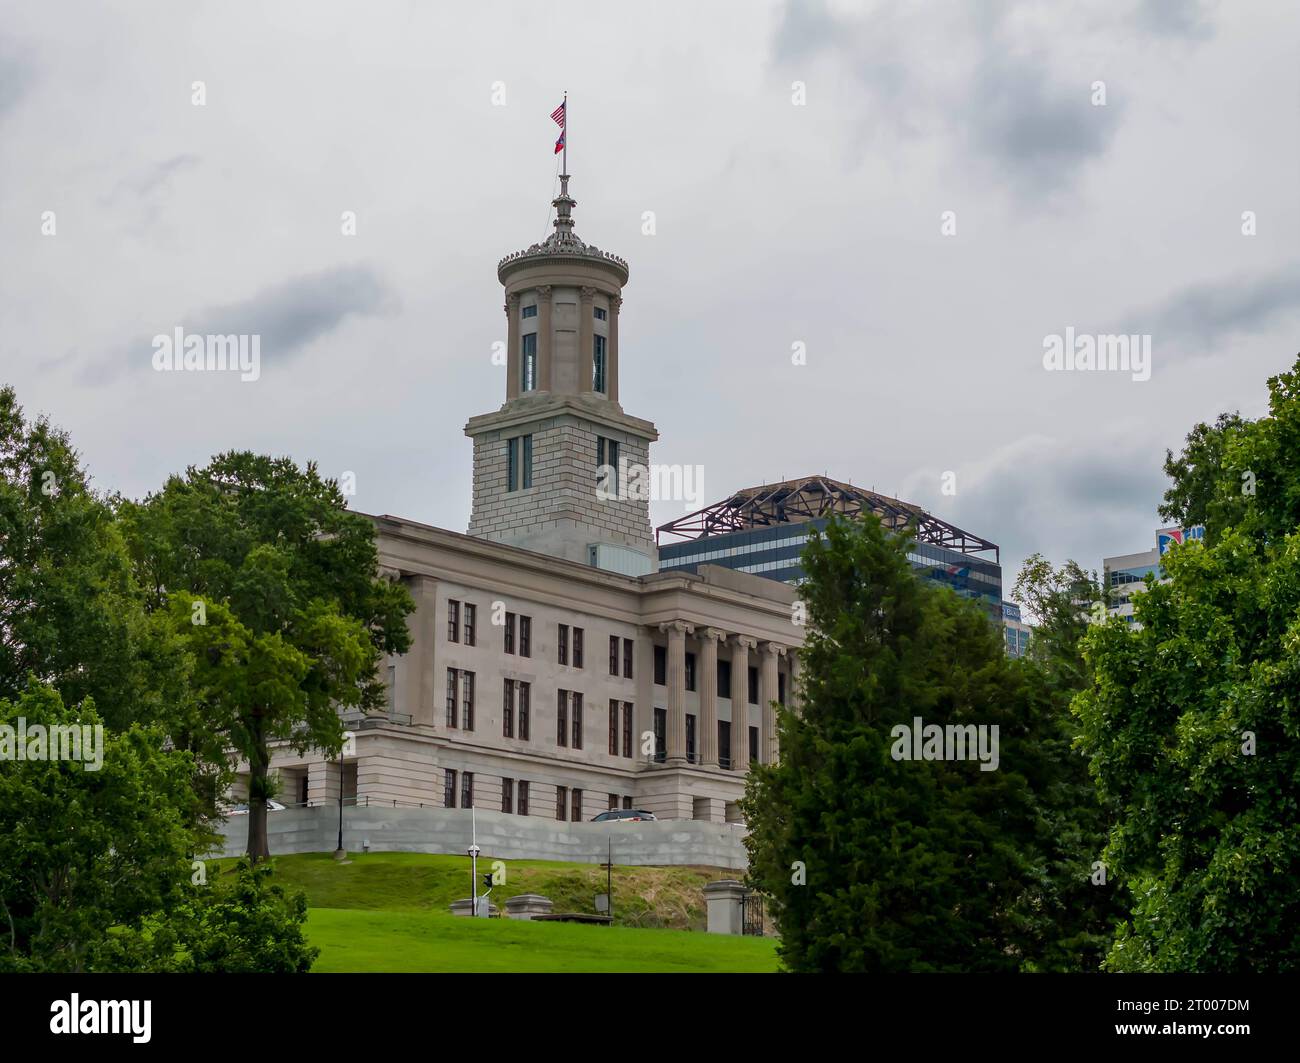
pixel 566 132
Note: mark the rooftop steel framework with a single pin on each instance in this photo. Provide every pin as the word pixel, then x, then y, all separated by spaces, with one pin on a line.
pixel 794 501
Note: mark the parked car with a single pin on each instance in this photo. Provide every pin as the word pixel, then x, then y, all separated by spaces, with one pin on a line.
pixel 242 810
pixel 624 815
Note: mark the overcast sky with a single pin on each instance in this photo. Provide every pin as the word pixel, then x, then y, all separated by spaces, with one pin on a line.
pixel 775 223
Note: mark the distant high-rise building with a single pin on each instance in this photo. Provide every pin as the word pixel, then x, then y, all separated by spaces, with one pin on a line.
pixel 763 530
pixel 1015 630
pixel 1125 574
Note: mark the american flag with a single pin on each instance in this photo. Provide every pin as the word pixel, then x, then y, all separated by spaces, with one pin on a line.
pixel 557 115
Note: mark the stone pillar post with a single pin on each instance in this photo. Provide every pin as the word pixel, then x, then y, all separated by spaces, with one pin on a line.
pixel 767 693
pixel 676 690
pixel 708 675
pixel 723 900
pixel 585 333
pixel 512 347
pixel 416 695
pixel 615 301
pixel 740 648
pixel 545 338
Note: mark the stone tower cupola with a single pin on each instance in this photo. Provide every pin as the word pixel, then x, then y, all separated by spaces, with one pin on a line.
pixel 546 463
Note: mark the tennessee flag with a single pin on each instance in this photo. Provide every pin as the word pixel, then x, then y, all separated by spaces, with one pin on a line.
pixel 559 145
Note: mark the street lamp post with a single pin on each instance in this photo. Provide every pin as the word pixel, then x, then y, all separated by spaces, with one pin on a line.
pixel 340 853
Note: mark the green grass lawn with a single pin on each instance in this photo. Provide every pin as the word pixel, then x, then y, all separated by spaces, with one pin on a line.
pixel 389 912
pixel 356 940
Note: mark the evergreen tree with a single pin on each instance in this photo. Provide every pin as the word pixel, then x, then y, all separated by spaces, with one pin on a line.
pixel 877 864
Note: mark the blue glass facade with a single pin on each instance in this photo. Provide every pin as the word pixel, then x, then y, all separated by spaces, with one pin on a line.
pixel 774 552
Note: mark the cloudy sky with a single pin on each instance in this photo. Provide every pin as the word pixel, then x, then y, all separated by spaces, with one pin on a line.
pixel 781 216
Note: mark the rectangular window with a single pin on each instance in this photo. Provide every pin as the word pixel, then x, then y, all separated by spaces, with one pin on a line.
pixel 512 464
pixel 561 802
pixel 598 312
pixel 690 737
pixel 528 363
pixel 510 632
pixel 598 364
pixel 753 686
pixel 780 687
pixel 724 744
pixel 392 688
pixel 627 728
pixel 525 698
pixel 467 700
pixel 613 802
pixel 470 620
pixel 613 655
pixel 577 647
pixel 724 679
pixel 613 727
pixel 508 709
pixel 529 311
pixel 564 643
pixel 528 461
pixel 690 671
pixel 449 788
pixel 453 621
pixel 576 712
pixel 661 735
pixel 507 795
pixel 523 798
pixel 451 697
pixel 627 802
pixel 467 789
pixel 576 814
pixel 753 745
pixel 627 658
pixel 607 471
pixel 661 665
pixel 525 636
pixel 561 717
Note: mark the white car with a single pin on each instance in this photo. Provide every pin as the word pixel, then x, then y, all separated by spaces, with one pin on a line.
pixel 242 810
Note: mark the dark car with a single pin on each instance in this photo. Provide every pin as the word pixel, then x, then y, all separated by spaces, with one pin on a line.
pixel 625 815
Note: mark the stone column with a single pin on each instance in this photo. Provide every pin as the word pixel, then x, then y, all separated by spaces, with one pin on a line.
pixel 676 740
pixel 545 338
pixel 615 301
pixel 796 678
pixel 708 675
pixel 416 694
pixel 512 347
pixel 585 333
pixel 740 648
pixel 767 692
pixel 643 716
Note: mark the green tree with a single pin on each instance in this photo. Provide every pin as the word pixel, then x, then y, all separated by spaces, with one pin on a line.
pixel 87 857
pixel 70 612
pixel 1192 721
pixel 273 586
pixel 243 923
pixel 909 865
pixel 1197 474
pixel 1077 905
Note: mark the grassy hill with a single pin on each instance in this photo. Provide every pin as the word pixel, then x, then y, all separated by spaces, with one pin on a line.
pixel 389 912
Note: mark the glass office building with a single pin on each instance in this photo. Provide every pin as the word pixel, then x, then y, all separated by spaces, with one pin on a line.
pixel 780 518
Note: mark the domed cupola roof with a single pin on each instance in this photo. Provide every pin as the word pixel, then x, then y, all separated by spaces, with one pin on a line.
pixel 563 246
